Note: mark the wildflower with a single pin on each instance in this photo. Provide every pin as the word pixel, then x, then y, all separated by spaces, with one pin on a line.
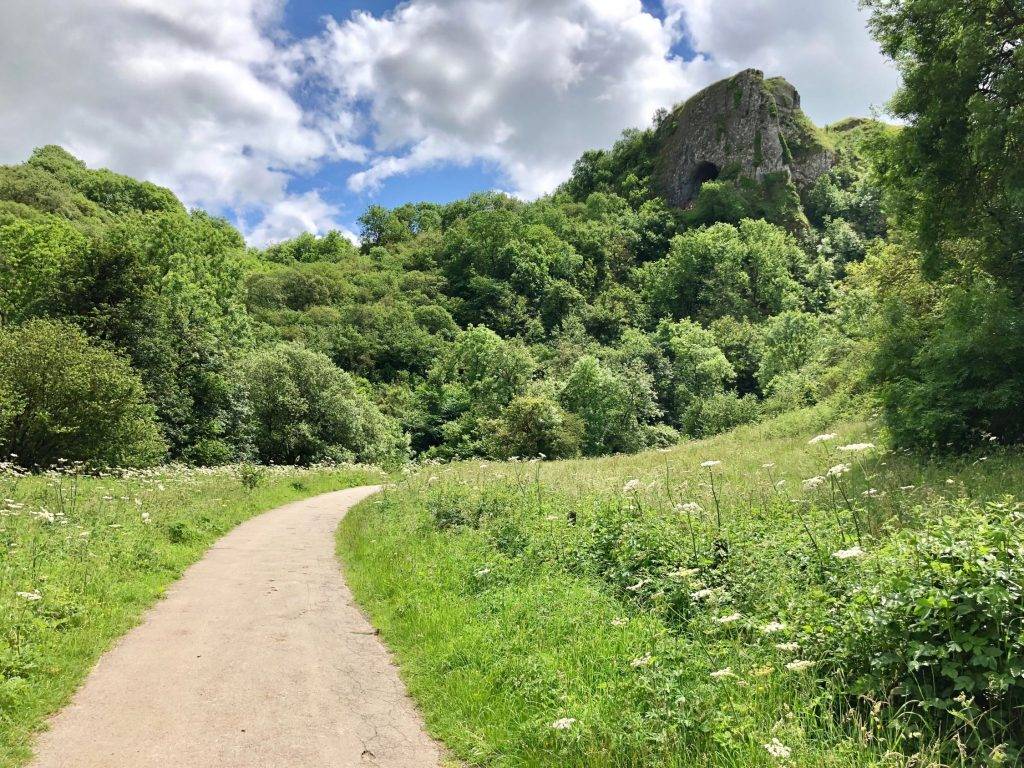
pixel 847 554
pixel 686 573
pixel 620 622
pixel 719 674
pixel 857 447
pixel 32 596
pixel 432 479
pixel 482 572
pixel 773 627
pixel 950 481
pixel 873 493
pixel 764 671
pixel 690 506
pixel 777 749
pixel 643 661
pixel 822 438
pixel 636 587
pixel 710 464
pixel 631 486
pixel 799 665
pixel 730 619
pixel 145 518
pixel 838 470
pixel 780 483
pixel 812 483
pixel 907 487
pixel 700 594
pixel 788 647
pixel 769 465
pixel 564 724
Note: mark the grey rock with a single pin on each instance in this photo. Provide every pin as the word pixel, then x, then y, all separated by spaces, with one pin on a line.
pixel 742 127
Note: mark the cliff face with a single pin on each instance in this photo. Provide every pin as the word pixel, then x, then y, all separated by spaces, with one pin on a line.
pixel 743 127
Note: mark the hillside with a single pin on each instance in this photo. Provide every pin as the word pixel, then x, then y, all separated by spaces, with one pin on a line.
pixel 599 319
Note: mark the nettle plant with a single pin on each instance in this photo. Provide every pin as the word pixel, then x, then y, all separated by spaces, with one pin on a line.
pixel 937 626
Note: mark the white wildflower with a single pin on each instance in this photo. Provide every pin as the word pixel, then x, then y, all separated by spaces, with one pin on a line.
pixel 838 470
pixel 564 724
pixel 643 661
pixel 482 572
pixel 690 506
pixel 822 438
pixel 730 619
pixel 32 596
pixel 907 487
pixel 620 622
pixel 857 447
pixel 799 665
pixel 812 483
pixel 145 518
pixel 777 749
pixel 700 594
pixel 788 647
pixel 631 486
pixel 769 465
pixel 710 464
pixel 773 627
pixel 638 586
pixel 847 554
pixel 719 674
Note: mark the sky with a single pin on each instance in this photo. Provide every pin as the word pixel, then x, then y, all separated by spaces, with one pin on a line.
pixel 295 115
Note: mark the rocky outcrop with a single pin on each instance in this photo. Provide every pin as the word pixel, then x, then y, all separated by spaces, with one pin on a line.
pixel 744 127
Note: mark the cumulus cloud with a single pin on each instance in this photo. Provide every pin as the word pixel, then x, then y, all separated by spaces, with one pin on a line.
pixel 307 212
pixel 193 94
pixel 199 95
pixel 522 83
pixel 821 46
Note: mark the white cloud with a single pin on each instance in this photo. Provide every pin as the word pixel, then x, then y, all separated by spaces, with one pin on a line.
pixel 193 94
pixel 198 95
pixel 821 46
pixel 296 213
pixel 527 84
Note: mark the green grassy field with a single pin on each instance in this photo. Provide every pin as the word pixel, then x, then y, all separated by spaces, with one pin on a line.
pixel 82 557
pixel 650 611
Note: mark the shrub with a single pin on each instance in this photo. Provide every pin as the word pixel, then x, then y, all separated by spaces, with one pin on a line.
pixel 64 398
pixel 720 413
pixel 307 410
pixel 535 425
pixel 939 623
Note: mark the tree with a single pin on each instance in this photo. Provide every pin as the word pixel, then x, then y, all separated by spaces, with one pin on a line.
pixel 65 398
pixel 535 425
pixel 949 355
pixel 957 169
pixel 306 410
pixel 610 411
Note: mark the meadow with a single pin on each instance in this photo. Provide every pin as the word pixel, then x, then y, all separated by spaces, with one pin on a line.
pixel 791 593
pixel 82 556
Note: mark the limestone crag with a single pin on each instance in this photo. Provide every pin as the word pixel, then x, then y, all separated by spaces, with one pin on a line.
pixel 743 127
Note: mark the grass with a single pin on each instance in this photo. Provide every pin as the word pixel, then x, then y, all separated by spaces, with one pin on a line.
pixel 82 557
pixel 576 614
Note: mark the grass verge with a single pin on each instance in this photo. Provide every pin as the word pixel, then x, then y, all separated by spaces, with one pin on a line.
pixel 650 611
pixel 81 558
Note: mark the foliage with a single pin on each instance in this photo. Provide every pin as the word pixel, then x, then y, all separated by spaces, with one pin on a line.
pixel 306 410
pixel 535 425
pixel 936 625
pixel 65 399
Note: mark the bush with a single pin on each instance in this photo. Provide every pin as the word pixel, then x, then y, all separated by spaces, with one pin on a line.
pixel 535 425
pixel 64 398
pixel 720 413
pixel 939 625
pixel 307 410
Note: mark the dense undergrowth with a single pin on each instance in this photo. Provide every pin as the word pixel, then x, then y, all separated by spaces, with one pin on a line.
pixel 825 604
pixel 81 557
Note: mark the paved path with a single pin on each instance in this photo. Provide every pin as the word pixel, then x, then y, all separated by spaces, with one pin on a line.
pixel 257 658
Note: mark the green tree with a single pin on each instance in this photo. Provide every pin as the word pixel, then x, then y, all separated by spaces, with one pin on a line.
pixel 307 410
pixel 65 398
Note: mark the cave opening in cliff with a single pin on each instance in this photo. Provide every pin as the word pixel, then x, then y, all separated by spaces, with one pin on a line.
pixel 704 172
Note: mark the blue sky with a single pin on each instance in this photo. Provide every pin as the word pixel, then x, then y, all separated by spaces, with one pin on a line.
pixel 443 183
pixel 295 115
